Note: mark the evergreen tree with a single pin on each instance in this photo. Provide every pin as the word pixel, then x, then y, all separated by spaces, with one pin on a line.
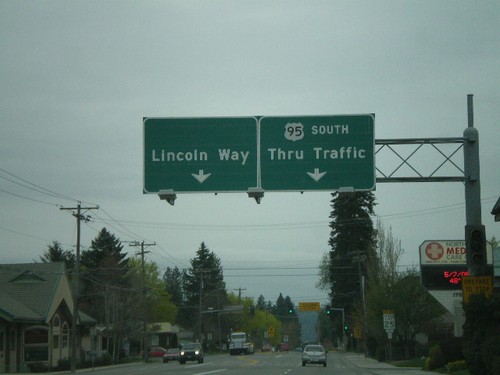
pixel 352 243
pixel 105 254
pixel 279 308
pixel 173 280
pixel 104 270
pixel 261 303
pixel 55 253
pixel 285 311
pixel 204 279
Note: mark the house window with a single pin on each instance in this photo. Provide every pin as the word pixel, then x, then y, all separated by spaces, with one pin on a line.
pixel 36 344
pixel 65 336
pixel 55 342
pixel 56 322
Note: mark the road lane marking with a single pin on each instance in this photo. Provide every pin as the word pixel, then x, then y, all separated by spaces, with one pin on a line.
pixel 211 372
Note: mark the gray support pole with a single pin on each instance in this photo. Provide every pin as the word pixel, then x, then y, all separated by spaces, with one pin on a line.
pixel 471 169
pixel 472 181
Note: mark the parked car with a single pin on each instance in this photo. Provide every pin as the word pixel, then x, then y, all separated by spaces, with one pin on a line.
pixel 314 354
pixel 156 351
pixel 191 352
pixel 284 347
pixel 172 354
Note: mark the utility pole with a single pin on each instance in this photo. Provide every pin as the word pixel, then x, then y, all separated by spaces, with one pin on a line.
pixel 199 308
pixel 79 218
pixel 144 307
pixel 359 259
pixel 239 294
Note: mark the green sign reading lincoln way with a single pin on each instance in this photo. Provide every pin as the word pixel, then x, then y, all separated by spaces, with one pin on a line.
pixel 235 154
pixel 200 154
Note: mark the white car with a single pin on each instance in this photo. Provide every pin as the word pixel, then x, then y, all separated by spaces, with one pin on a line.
pixel 314 354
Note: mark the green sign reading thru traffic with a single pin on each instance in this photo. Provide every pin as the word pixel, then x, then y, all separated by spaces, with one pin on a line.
pixel 294 153
pixel 317 153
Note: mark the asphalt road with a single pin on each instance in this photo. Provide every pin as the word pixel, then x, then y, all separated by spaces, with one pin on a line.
pixel 264 364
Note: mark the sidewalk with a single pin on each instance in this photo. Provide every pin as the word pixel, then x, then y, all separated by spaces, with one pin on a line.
pixel 94 369
pixel 380 368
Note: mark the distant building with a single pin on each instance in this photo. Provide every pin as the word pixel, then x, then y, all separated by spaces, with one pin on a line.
pixel 36 314
pixel 163 334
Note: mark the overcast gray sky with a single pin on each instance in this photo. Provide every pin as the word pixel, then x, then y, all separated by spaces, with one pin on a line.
pixel 77 77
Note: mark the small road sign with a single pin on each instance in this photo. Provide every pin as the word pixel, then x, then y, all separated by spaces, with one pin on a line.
pixel 309 306
pixel 477 285
pixel 358 332
pixel 389 320
pixel 271 332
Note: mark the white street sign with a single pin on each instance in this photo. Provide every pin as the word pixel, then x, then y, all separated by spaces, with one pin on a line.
pixel 389 320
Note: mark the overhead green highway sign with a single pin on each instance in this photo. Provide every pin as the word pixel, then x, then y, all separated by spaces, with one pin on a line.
pixel 258 154
pixel 200 154
pixel 300 153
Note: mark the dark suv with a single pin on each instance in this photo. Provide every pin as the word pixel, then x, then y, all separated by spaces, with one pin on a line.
pixel 191 352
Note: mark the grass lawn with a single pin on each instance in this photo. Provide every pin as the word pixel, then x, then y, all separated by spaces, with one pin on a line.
pixel 420 364
pixel 417 362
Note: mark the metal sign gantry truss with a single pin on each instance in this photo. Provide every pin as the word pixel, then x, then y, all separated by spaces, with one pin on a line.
pixel 420 145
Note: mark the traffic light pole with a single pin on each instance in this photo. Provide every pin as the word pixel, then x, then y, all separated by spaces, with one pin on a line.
pixel 475 236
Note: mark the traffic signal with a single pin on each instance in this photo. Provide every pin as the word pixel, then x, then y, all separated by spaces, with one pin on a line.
pixel 346 327
pixel 475 244
pixel 290 310
pixel 328 310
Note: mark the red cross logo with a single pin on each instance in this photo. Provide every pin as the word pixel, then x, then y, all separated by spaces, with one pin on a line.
pixel 434 251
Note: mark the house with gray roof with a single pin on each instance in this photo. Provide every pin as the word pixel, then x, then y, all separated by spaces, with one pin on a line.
pixel 36 313
pixel 496 210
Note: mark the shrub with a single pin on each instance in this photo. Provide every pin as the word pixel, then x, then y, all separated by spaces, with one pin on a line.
pixel 482 334
pixel 456 366
pixel 436 358
pixel 451 347
pixel 38 367
pixel 495 365
pixel 490 352
pixel 380 354
pixel 63 364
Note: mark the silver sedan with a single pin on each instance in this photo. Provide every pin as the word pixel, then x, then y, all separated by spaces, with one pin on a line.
pixel 314 354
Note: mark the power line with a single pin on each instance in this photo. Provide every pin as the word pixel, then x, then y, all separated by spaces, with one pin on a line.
pixel 180 226
pixel 24 234
pixel 28 198
pixel 34 187
pixel 275 226
pixel 121 225
pixel 37 188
